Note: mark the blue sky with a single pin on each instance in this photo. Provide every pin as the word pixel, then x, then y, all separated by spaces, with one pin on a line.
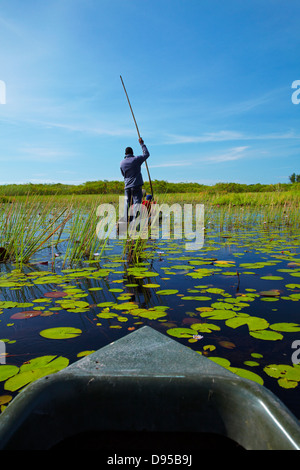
pixel 209 82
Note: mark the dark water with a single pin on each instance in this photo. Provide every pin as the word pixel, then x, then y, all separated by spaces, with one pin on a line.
pixel 171 265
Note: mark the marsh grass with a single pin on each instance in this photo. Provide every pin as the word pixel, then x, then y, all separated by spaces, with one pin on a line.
pixel 25 227
pixel 29 224
pixel 82 240
pixel 259 199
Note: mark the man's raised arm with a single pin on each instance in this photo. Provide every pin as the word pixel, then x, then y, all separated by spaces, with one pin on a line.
pixel 146 153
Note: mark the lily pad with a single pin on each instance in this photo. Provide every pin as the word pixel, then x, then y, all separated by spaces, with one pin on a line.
pixel 54 362
pixel 24 378
pixel 215 290
pixel 7 371
pixel 221 361
pixel 227 344
pixel 27 314
pixel 266 335
pixel 202 298
pixel 107 315
pixel 285 383
pixel 181 332
pixel 209 347
pixel 288 376
pixel 8 304
pixel 205 327
pixel 85 353
pixel 247 374
pixel 106 304
pixel 61 332
pixel 55 294
pixel 238 371
pixel 253 323
pixel 276 370
pixel 70 304
pixel 167 291
pixel 151 285
pixel 4 399
pixel 288 327
pixel 35 369
pixel 272 278
pixel 218 314
pixel 270 293
pixel 257 355
pixel 151 314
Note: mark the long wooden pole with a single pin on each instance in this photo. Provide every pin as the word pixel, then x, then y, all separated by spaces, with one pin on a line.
pixel 138 132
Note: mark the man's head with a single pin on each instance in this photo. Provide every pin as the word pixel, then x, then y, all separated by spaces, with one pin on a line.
pixel 128 151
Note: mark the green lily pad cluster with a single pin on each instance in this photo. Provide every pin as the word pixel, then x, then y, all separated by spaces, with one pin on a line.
pixel 232 311
pixel 287 376
pixel 245 373
pixel 16 378
pixel 153 313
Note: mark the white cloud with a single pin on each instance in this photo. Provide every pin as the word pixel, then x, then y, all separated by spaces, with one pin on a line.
pixel 235 153
pixel 208 137
pixel 222 136
pixel 43 154
pixel 170 164
pixel 93 128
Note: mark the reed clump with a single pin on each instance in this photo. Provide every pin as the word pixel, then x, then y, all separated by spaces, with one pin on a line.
pixel 26 225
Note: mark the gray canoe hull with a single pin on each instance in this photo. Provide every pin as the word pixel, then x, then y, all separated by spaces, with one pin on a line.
pixel 147 382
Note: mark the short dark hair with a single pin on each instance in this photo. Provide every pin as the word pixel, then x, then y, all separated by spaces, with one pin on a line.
pixel 128 151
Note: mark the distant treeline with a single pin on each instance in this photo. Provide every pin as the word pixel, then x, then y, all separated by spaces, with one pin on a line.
pixel 159 187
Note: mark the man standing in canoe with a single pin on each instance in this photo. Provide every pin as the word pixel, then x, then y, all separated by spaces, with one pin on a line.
pixel 131 170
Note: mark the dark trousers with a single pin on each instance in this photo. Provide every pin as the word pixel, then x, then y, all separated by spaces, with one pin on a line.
pixel 133 195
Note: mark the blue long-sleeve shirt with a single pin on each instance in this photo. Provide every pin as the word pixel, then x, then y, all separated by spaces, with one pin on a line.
pixel 131 168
